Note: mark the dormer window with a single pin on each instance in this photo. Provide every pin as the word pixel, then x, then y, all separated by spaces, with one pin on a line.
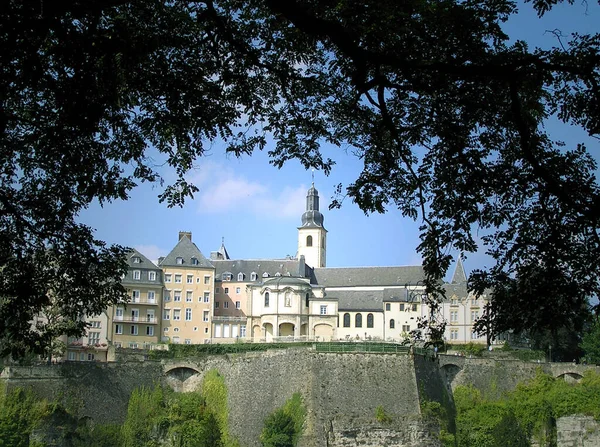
pixel 265 275
pixel 253 276
pixel 227 276
pixel 277 274
pixel 240 276
pixel 136 260
pixel 195 261
pixel 179 260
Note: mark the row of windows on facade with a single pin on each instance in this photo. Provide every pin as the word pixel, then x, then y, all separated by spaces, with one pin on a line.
pixel 454 335
pixel 403 307
pixel 456 301
pixel 358 322
pixel 179 260
pixel 287 302
pixel 189 279
pixel 454 316
pixel 228 276
pixel 189 296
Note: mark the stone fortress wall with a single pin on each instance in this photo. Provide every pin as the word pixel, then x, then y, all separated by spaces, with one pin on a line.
pixel 341 391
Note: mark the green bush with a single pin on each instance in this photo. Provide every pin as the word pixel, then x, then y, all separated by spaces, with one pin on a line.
pixel 382 416
pixel 473 349
pixel 284 426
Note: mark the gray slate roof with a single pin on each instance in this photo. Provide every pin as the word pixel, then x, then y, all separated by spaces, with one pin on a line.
pixel 367 276
pixel 354 300
pixel 144 266
pixel 285 267
pixel 459 276
pixel 187 250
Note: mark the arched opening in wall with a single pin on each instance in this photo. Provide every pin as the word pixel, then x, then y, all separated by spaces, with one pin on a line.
pixel 450 371
pixel 309 241
pixel 324 332
pixel 267 296
pixel 570 377
pixel 392 324
pixel 286 330
pixel 346 320
pixel 369 320
pixel 268 332
pixel 358 320
pixel 177 377
pixel 257 333
pixel 304 329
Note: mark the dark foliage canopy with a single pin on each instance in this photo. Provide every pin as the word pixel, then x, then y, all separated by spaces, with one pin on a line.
pixel 445 111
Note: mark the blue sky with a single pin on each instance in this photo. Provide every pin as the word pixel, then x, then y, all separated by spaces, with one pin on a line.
pixel 257 207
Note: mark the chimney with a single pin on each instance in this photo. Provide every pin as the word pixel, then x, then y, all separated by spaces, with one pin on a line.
pixel 183 234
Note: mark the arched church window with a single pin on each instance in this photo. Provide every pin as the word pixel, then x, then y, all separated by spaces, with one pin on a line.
pixel 346 320
pixel 392 324
pixel 358 320
pixel 309 241
pixel 267 299
pixel 370 320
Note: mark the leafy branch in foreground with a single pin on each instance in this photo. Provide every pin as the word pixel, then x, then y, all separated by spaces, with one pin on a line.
pixel 445 110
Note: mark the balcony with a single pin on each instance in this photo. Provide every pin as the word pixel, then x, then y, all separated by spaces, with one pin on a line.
pixel 151 320
pixel 153 302
pixel 226 319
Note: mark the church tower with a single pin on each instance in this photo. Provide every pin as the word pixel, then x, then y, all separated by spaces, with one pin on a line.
pixel 312 236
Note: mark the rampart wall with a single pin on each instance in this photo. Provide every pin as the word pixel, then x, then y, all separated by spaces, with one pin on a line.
pixel 341 391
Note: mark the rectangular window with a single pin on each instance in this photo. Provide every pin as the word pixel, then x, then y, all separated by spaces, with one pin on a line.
pixel 242 330
pixel 205 315
pixel 176 340
pixel 216 304
pixel 206 297
pixel 206 330
pixel 167 296
pixel 401 307
pixel 71 355
pixel 238 290
pixel 226 289
pixel 190 279
pixel 226 305
pixel 152 276
pixel 95 324
pixel 188 341
pixel 91 357
pixel 453 316
pixel 119 313
pixel 217 290
pixel 474 335
pixel 118 329
pixel 150 315
pixel 189 296
pixel 133 330
pixel 176 314
pixel 454 334
pixel 151 296
pixel 135 296
pixel 414 308
pixel 137 275
pixel 323 310
pixel 188 314
pixel 474 315
pixel 207 280
pixel 388 306
pixel 238 305
pixel 150 331
pixel 166 314
pixel 178 278
pixel 405 328
pixel 168 278
pixel 177 296
pixel 93 338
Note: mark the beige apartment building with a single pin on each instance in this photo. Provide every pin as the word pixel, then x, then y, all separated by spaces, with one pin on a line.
pixel 188 297
pixel 136 323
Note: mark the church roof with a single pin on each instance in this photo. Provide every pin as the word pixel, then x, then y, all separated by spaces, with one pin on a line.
pixel 353 300
pixel 186 250
pixel 367 276
pixel 285 267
